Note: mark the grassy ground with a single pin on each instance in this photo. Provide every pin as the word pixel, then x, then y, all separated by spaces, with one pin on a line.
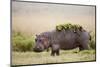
pixel 23 58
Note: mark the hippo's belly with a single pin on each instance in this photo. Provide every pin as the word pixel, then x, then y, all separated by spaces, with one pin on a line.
pixel 67 45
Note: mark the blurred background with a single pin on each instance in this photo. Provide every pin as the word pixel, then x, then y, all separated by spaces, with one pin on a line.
pixel 34 18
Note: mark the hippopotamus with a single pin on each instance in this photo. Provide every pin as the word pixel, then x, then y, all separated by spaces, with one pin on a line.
pixel 63 40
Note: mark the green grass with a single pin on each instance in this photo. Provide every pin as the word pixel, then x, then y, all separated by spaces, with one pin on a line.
pixel 24 58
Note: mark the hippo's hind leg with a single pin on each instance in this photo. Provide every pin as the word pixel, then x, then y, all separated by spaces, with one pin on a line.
pixel 80 47
pixel 55 49
pixel 83 46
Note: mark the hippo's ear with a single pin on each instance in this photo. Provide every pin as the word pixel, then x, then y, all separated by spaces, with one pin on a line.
pixel 36 35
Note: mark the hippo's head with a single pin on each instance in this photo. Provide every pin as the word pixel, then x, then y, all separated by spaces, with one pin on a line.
pixel 41 43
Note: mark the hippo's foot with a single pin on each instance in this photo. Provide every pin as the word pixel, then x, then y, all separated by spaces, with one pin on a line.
pixel 55 53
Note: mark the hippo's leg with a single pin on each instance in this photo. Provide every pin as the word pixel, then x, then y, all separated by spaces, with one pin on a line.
pixel 80 48
pixel 83 46
pixel 55 49
pixel 57 52
pixel 53 53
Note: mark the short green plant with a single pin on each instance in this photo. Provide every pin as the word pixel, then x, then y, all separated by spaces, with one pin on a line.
pixel 92 44
pixel 22 43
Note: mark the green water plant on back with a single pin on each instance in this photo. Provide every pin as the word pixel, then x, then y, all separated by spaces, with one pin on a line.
pixel 59 27
pixel 69 26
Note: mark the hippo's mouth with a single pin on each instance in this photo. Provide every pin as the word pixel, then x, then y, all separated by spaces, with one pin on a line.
pixel 37 50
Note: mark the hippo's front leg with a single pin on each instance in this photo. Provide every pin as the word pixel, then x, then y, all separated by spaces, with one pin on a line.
pixel 57 52
pixel 53 53
pixel 55 49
